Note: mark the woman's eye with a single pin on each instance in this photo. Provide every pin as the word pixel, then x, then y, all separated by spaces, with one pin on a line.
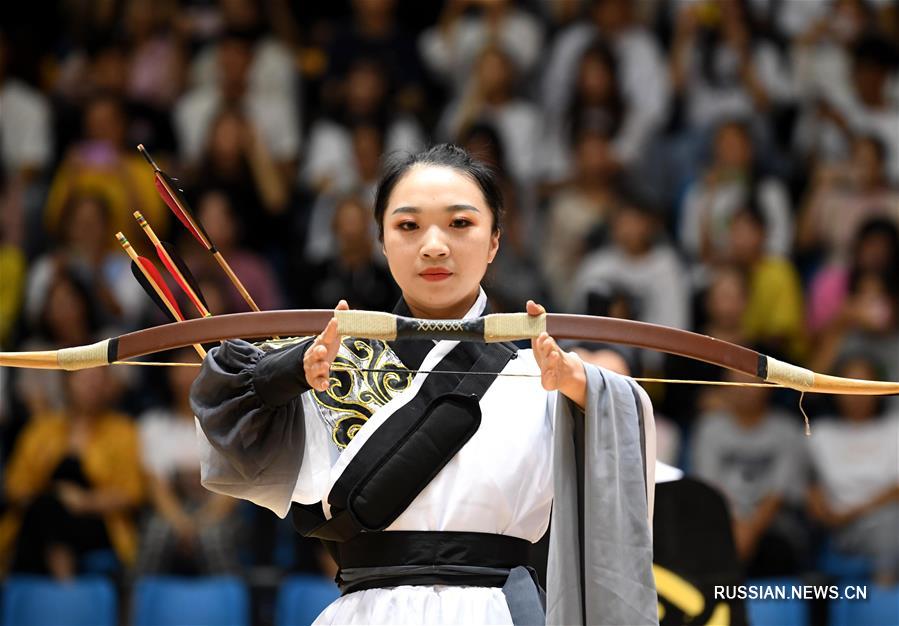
pixel 460 222
pixel 407 226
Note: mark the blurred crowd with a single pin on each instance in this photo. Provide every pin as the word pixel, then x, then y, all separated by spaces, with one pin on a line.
pixel 724 166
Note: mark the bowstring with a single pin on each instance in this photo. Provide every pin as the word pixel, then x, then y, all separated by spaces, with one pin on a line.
pixel 675 381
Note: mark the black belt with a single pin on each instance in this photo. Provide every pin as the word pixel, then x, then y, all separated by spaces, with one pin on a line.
pixel 393 558
pixel 375 560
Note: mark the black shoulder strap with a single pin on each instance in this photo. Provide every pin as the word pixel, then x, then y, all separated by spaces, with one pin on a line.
pixel 410 448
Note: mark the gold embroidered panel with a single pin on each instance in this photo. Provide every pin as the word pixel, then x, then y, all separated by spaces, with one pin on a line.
pixel 353 396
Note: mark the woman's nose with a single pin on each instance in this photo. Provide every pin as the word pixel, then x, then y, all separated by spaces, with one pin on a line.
pixel 434 245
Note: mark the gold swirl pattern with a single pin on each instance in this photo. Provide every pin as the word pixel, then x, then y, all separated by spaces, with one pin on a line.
pixel 353 396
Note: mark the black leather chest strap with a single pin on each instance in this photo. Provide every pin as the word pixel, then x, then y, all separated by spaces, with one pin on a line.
pixel 410 448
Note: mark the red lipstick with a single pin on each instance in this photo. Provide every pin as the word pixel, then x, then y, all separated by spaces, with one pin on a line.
pixel 434 274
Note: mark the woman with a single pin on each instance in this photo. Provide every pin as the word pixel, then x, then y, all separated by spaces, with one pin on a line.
pixel 732 181
pixel 460 469
pixel 238 162
pixel 73 483
pixel 189 529
pixel 597 104
pixel 84 248
pixel 491 96
pixel 855 487
pixel 67 316
pixel 102 164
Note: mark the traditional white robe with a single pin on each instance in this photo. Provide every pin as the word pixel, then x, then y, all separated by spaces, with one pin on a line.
pixel 501 481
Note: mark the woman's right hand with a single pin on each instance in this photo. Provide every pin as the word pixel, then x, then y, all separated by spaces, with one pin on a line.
pixel 318 358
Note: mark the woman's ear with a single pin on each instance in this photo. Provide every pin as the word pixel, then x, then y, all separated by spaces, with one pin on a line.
pixel 494 247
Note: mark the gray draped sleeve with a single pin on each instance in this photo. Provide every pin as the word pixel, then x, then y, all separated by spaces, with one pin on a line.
pixel 603 493
pixel 250 422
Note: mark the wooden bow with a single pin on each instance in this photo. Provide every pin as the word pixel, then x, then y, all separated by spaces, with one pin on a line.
pixel 489 328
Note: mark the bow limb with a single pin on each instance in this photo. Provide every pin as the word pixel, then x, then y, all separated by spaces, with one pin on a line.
pixel 701 347
pixel 171 336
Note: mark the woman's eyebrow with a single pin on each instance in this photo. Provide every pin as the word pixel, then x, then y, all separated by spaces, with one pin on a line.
pixel 450 208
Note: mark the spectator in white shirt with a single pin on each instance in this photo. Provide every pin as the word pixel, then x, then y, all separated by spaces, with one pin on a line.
pixel 643 73
pixel 491 96
pixel 729 183
pixel 26 138
pixel 330 165
pixel 721 67
pixel 858 102
pixel 597 103
pixel 466 27
pixel 189 527
pixel 274 115
pixel 577 211
pixel 855 461
pixel 639 262
pixel 754 454
pixel 272 66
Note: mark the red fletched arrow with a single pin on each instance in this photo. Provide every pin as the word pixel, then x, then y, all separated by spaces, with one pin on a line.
pixel 155 286
pixel 174 198
pixel 185 272
pixel 152 282
pixel 177 270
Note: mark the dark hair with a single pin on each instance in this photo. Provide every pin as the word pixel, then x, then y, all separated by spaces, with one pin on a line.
pixel 445 155
pixel 753 212
pixel 875 50
pixel 882 226
pixel 76 200
pixel 711 37
pixel 83 291
pixel 244 36
pixel 857 276
pixel 848 357
pixel 634 196
pixel 606 120
pixel 486 131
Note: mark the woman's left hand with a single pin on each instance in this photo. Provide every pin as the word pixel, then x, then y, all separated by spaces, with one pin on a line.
pixel 558 369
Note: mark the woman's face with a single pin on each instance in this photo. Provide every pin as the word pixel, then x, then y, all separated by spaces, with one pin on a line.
pixel 88 227
pixel 66 313
pixel 858 408
pixel 595 79
pixel 876 252
pixel 733 148
pixel 227 137
pixel 494 74
pixel 747 239
pixel 867 166
pixel 89 390
pixel 594 157
pixel 104 122
pixel 365 90
pixel 438 240
pixel 216 216
pixel 726 300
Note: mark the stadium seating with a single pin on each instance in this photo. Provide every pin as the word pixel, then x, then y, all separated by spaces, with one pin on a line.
pixel 880 608
pixel 302 598
pixel 841 566
pixel 38 601
pixel 767 612
pixel 173 601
